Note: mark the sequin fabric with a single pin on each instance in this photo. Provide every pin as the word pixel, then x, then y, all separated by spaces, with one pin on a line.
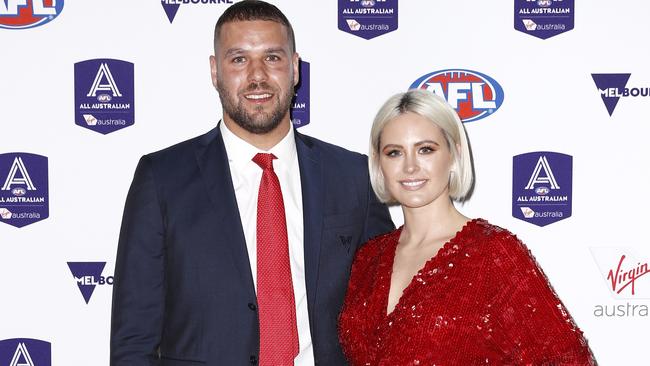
pixel 482 300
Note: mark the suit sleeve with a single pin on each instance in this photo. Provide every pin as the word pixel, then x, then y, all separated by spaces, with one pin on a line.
pixel 536 327
pixel 139 283
pixel 378 219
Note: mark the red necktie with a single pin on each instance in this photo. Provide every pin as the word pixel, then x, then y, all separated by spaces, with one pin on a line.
pixel 275 297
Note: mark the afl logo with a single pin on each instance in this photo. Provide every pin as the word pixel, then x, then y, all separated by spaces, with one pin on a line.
pixel 104 98
pixel 473 95
pixel 23 14
pixel 18 191
pixel 542 191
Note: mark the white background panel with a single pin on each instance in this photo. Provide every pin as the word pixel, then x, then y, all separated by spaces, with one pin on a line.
pixel 551 104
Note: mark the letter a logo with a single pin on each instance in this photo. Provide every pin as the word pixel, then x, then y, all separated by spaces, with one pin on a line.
pixel 538 198
pixel 21 357
pixel 13 352
pixel 104 73
pixel 18 166
pixel 547 178
pixel 96 94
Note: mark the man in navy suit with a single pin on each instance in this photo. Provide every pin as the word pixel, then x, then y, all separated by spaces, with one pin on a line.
pixel 186 288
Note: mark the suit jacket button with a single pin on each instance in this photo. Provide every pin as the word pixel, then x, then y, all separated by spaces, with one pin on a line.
pixel 253 359
pixel 252 306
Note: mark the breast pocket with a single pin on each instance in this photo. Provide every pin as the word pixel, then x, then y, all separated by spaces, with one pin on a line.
pixel 351 218
pixel 342 232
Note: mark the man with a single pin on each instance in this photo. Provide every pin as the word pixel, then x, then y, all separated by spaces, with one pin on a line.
pixel 236 246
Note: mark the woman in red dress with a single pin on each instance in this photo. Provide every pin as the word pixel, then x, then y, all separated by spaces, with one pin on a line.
pixel 444 289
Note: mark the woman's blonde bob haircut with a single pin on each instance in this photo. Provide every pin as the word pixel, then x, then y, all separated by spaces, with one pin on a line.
pixel 436 110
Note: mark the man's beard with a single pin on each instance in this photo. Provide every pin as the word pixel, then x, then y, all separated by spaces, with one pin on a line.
pixel 258 122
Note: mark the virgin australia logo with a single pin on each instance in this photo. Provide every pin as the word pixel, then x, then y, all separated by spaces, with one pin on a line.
pixel 624 277
pixel 623 271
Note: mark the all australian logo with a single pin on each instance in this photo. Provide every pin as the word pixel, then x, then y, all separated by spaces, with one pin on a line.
pixel 367 18
pixel 88 276
pixel 24 188
pixel 23 14
pixel 472 94
pixel 25 352
pixel 104 95
pixel 613 87
pixel 300 103
pixel 544 18
pixel 171 6
pixel 626 276
pixel 542 187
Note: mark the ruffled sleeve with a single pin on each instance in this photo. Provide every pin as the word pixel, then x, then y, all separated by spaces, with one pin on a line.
pixel 531 325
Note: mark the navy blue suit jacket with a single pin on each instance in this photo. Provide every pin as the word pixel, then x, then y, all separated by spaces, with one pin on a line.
pixel 183 292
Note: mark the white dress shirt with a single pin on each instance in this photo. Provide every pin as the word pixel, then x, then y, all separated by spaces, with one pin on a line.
pixel 246 177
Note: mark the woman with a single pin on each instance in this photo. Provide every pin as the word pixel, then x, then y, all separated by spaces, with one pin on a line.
pixel 444 289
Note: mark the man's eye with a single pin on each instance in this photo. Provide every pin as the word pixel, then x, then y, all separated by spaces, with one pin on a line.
pixel 273 58
pixel 238 60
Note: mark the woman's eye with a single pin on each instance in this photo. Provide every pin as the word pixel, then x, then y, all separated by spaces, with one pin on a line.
pixel 426 150
pixel 392 153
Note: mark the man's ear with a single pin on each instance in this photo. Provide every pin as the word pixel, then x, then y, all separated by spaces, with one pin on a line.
pixel 213 70
pixel 296 68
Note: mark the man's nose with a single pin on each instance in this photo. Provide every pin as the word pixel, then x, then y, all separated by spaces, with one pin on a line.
pixel 257 71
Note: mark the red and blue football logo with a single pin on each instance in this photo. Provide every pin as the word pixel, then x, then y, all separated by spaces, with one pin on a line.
pixel 23 14
pixel 473 95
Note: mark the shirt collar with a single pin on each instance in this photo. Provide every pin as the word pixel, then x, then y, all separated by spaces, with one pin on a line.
pixel 241 152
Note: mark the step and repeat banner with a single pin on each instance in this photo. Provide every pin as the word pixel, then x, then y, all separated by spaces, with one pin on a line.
pixel 554 95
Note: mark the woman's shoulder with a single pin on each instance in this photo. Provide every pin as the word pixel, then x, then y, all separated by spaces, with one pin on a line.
pixel 379 243
pixel 482 229
pixel 492 237
pixel 503 247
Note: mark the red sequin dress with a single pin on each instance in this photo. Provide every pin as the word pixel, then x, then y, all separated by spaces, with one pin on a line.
pixel 482 300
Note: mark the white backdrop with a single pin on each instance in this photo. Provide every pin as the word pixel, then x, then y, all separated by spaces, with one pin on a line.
pixel 551 104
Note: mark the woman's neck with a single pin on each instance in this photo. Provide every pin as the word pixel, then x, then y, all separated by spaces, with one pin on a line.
pixel 439 219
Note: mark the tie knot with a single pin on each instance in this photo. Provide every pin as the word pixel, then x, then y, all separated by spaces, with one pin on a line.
pixel 265 161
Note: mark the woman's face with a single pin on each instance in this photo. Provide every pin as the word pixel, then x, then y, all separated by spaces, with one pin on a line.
pixel 415 160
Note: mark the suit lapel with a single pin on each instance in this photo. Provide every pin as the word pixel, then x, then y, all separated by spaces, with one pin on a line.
pixel 311 181
pixel 213 164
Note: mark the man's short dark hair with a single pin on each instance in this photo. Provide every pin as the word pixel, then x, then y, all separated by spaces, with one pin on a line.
pixel 247 10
